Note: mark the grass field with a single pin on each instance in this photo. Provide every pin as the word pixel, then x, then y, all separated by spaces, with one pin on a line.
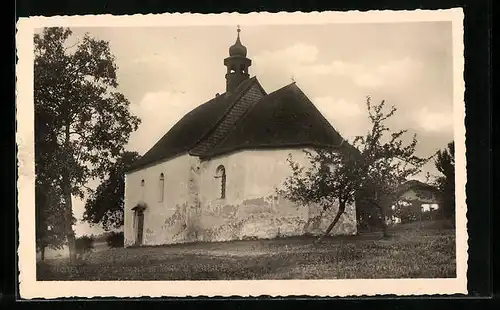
pixel 411 252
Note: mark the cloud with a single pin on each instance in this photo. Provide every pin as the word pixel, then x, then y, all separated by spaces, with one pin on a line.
pixel 433 121
pixel 154 59
pixel 158 112
pixel 338 109
pixel 394 73
pixel 301 60
pixel 298 53
pixel 276 68
pixel 347 117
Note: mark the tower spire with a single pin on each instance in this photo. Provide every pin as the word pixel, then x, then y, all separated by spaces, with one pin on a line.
pixel 238 49
pixel 237 63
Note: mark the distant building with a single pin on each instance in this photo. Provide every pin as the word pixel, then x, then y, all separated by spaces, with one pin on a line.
pixel 213 175
pixel 417 200
pixel 419 192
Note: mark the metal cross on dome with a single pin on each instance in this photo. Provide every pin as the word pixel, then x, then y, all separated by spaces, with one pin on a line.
pixel 238 28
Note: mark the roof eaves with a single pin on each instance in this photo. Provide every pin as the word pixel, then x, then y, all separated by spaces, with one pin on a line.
pixel 150 163
pixel 415 184
pixel 248 147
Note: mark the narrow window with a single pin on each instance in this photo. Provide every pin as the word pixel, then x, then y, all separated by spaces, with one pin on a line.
pixel 161 187
pixel 134 225
pixel 142 190
pixel 220 174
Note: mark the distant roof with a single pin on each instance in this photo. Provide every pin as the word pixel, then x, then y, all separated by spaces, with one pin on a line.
pixel 284 118
pixel 415 184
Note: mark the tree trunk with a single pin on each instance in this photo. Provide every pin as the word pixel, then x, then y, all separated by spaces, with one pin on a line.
pixel 420 225
pixel 334 222
pixel 68 221
pixel 385 233
pixel 68 206
pixel 42 253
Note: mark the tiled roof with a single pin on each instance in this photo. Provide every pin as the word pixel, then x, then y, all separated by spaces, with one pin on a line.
pixel 284 118
pixel 417 185
pixel 244 103
pixel 248 118
pixel 192 128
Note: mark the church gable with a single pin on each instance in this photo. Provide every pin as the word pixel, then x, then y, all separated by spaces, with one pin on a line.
pixel 251 96
pixel 284 118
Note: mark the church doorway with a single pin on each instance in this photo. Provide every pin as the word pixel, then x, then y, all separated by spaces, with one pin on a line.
pixel 140 227
pixel 139 224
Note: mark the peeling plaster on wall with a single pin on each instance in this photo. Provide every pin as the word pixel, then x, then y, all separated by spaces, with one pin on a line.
pixel 193 210
pixel 193 205
pixel 157 214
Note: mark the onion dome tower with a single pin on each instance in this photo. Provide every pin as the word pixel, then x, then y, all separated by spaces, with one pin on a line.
pixel 237 64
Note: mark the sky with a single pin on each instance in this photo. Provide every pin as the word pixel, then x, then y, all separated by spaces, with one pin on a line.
pixel 166 72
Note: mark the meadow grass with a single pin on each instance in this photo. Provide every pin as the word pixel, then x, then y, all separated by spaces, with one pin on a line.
pixel 412 251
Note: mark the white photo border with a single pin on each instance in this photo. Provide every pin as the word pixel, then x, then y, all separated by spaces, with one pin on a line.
pixel 31 288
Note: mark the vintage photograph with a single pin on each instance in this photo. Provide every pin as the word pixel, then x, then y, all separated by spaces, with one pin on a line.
pixel 243 149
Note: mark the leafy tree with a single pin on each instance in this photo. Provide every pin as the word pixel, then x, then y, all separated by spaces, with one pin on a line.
pixel 49 228
pixel 115 240
pixel 105 205
pixel 368 171
pixel 86 119
pixel 407 211
pixel 445 164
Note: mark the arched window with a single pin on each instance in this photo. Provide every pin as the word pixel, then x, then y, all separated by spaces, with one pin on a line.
pixel 220 174
pixel 161 187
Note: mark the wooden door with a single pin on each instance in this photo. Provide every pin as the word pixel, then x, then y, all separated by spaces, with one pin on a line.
pixel 140 228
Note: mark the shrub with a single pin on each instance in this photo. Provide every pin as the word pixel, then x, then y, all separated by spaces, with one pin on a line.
pixel 84 244
pixel 115 240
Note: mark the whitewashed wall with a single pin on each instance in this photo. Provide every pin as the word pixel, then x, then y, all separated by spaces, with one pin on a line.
pixel 252 207
pixel 162 219
pixel 192 209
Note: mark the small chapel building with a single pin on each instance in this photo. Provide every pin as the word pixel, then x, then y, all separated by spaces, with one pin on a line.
pixel 214 175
